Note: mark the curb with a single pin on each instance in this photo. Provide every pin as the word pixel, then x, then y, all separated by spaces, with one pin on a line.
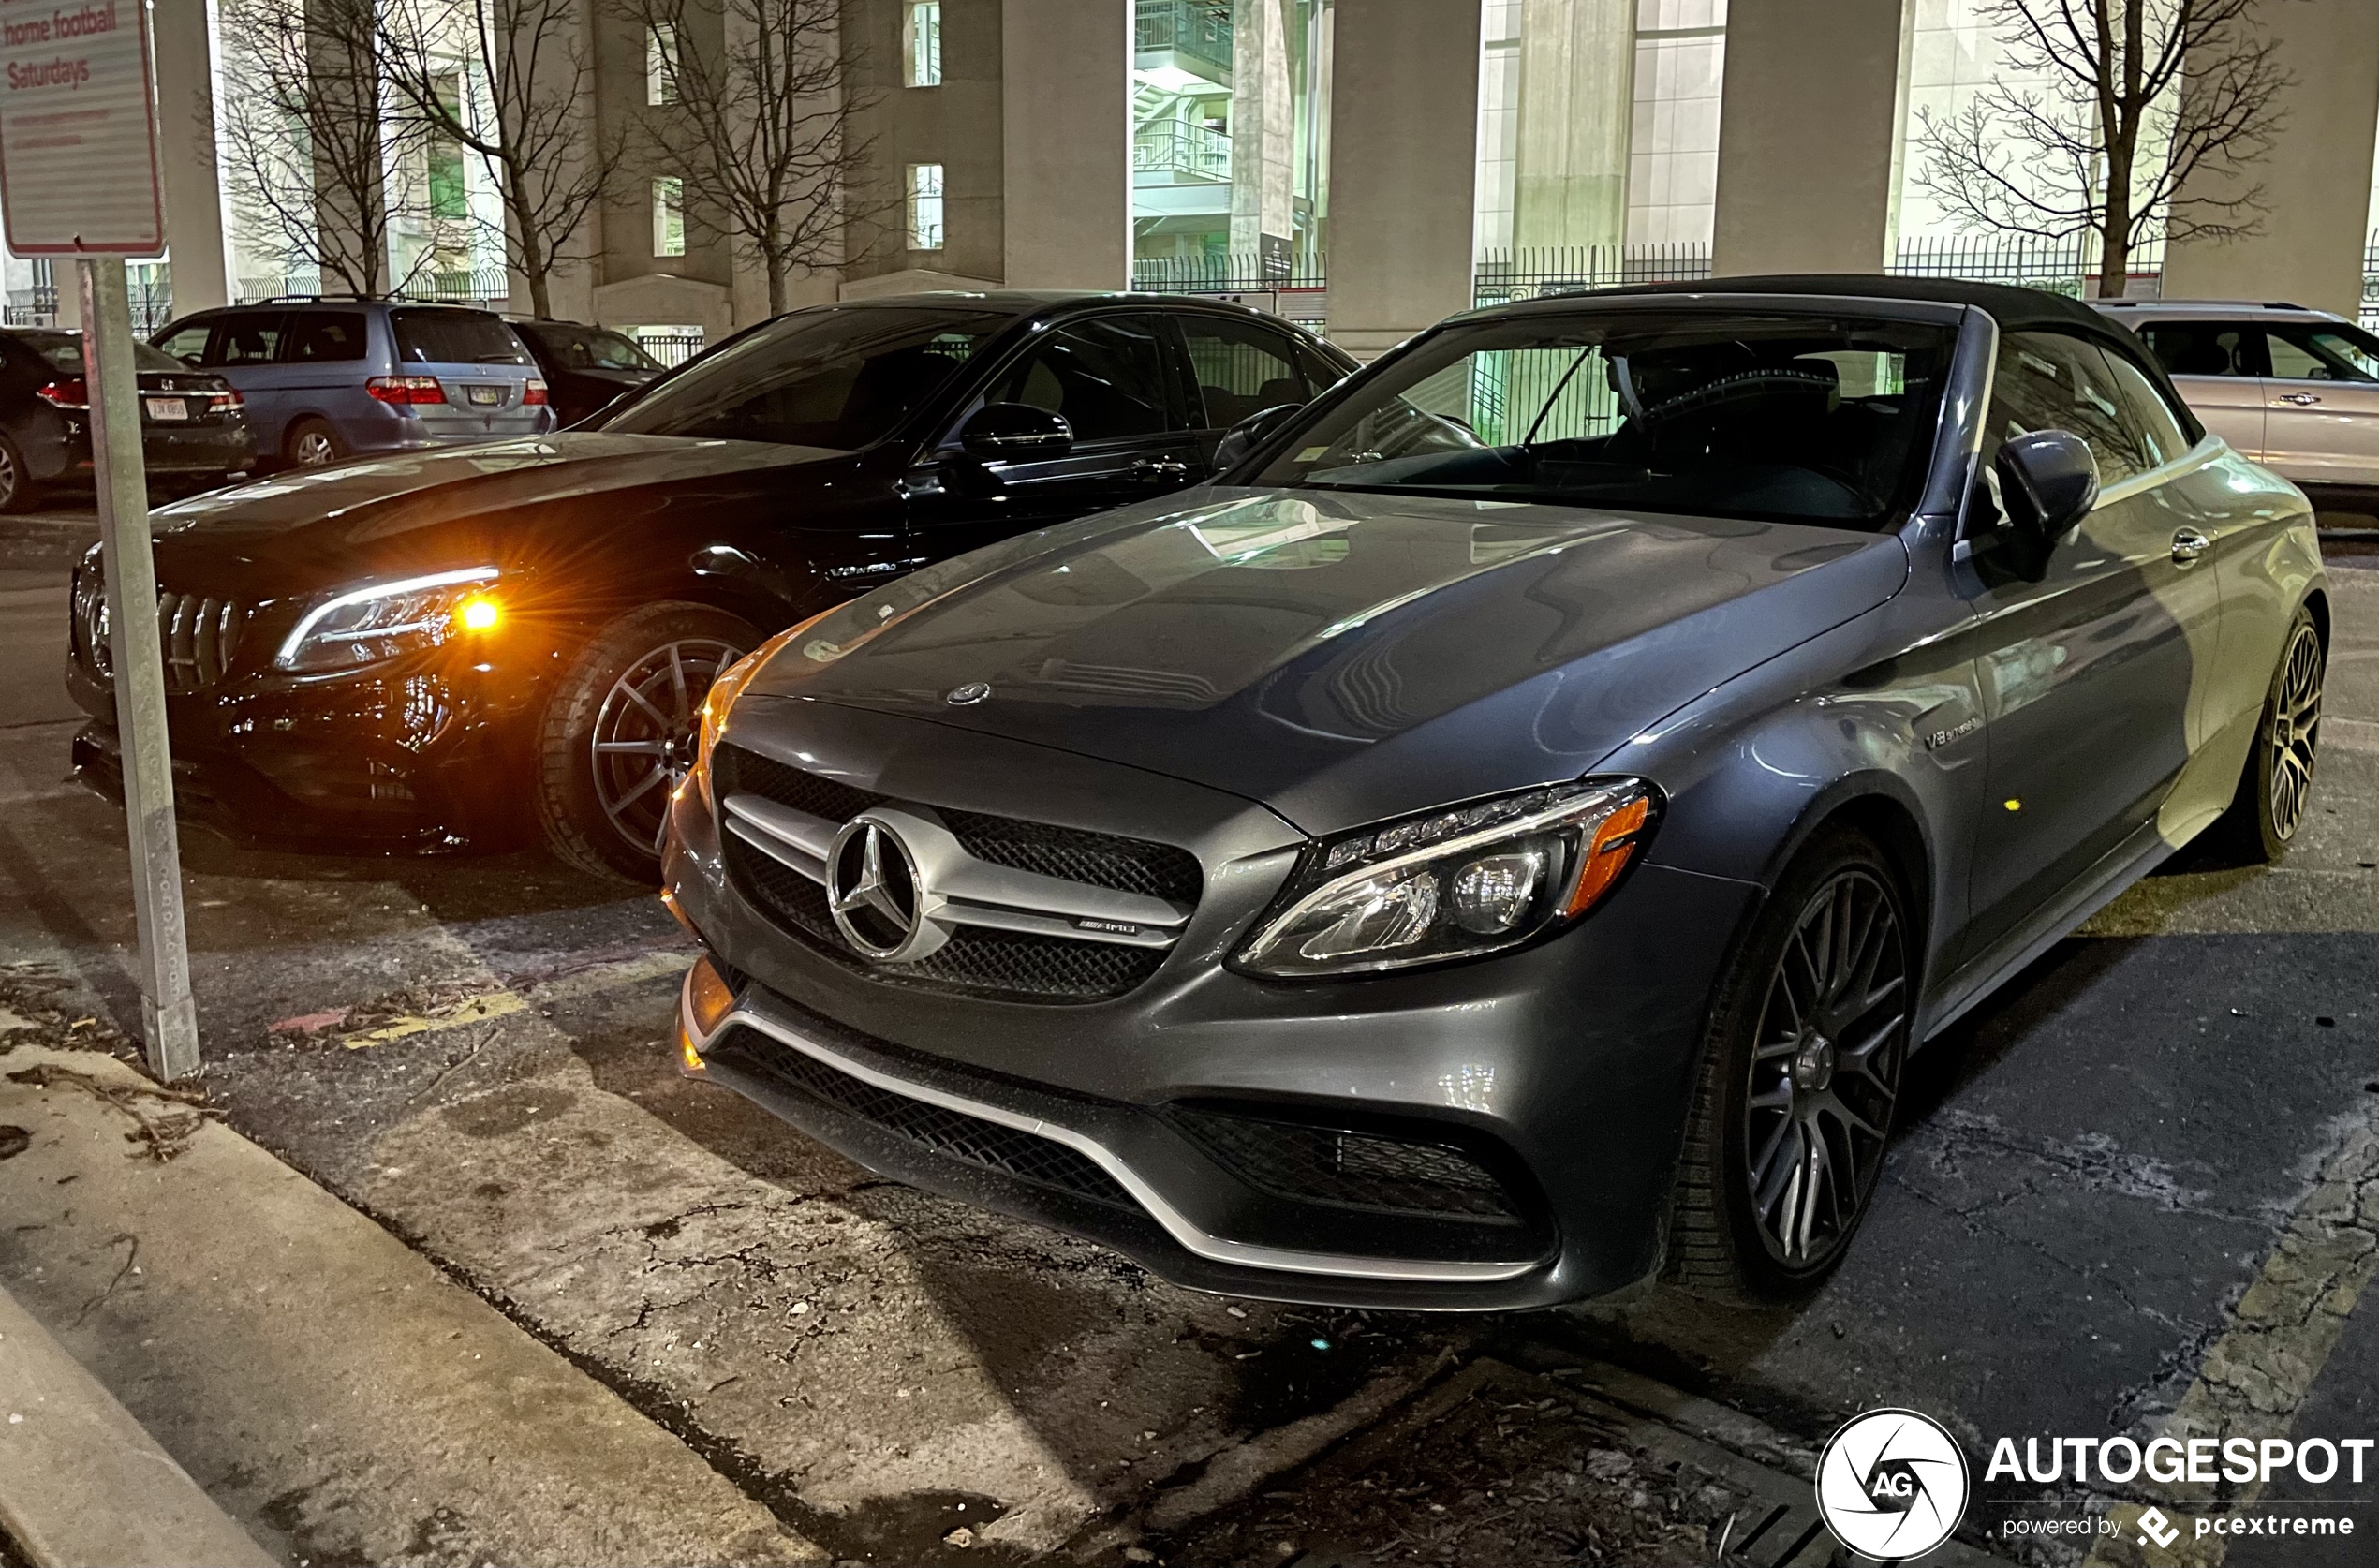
pixel 81 1484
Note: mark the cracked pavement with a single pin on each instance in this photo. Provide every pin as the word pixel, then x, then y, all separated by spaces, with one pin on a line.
pixel 2138 1191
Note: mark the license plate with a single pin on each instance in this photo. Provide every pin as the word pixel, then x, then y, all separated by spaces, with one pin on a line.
pixel 168 408
pixel 487 397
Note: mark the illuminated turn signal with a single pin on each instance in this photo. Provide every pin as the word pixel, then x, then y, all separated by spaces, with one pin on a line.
pixel 1607 853
pixel 478 613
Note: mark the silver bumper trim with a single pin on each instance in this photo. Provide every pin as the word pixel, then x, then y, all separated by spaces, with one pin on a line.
pixel 1212 1248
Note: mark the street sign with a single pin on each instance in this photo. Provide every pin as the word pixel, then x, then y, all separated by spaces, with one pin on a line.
pixel 79 130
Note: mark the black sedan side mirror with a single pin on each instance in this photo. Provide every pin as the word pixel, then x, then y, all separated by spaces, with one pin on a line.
pixel 2048 483
pixel 1243 437
pixel 1008 430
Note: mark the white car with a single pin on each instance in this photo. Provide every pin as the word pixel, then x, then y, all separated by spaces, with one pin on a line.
pixel 2295 390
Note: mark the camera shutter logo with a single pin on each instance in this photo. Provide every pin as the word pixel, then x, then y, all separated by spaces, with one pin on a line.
pixel 1893 1485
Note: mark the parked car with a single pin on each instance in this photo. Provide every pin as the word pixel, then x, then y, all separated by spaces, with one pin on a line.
pixel 587 369
pixel 194 432
pixel 2295 390
pixel 1506 836
pixel 326 379
pixel 431 648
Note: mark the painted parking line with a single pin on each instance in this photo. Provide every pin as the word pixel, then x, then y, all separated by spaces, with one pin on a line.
pixel 2255 1378
pixel 498 1002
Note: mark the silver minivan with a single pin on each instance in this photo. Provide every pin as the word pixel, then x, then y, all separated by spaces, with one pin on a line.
pixel 2295 390
pixel 330 378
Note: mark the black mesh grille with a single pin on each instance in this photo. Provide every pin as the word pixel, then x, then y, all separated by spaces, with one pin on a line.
pixel 1013 965
pixel 1360 1170
pixel 955 1134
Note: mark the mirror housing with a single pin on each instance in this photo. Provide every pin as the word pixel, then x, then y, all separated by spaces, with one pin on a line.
pixel 1005 431
pixel 1244 438
pixel 2048 483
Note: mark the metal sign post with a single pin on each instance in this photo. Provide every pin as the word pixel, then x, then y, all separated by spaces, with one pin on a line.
pixel 78 177
pixel 168 1015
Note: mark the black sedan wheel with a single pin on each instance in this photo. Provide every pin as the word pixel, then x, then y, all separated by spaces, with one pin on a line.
pixel 18 492
pixel 620 732
pixel 1800 1080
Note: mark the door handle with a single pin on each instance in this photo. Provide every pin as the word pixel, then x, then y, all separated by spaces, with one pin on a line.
pixel 2302 400
pixel 1160 468
pixel 2189 544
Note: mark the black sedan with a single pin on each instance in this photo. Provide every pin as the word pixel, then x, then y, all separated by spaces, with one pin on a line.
pixel 193 431
pixel 430 649
pixel 586 368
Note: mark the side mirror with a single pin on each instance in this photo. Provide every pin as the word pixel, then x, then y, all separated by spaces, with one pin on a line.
pixel 2048 483
pixel 1243 437
pixel 1009 431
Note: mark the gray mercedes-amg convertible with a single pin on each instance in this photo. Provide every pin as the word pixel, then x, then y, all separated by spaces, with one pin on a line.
pixel 1508 836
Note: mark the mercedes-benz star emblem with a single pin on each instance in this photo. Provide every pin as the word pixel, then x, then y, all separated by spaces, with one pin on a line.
pixel 968 695
pixel 876 894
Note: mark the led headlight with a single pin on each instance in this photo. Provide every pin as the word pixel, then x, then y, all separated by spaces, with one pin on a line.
pixel 382 620
pixel 1455 883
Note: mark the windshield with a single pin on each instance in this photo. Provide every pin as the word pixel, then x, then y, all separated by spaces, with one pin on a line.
pixel 1782 418
pixel 591 348
pixel 63 351
pixel 836 377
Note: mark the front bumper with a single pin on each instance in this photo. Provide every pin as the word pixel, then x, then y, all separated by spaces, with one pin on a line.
pixel 1565 1068
pixel 429 759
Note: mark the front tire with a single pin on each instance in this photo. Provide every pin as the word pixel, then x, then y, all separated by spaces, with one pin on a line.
pixel 619 730
pixel 2274 793
pixel 1800 1077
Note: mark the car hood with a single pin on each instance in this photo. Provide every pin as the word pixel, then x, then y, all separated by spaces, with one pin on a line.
pixel 1340 657
pixel 299 530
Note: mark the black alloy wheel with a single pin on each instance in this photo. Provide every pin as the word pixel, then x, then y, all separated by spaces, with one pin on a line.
pixel 1802 1076
pixel 18 492
pixel 621 730
pixel 2275 791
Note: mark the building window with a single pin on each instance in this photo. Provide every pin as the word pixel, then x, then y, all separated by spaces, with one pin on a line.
pixel 668 216
pixel 924 206
pixel 921 44
pixel 449 197
pixel 661 64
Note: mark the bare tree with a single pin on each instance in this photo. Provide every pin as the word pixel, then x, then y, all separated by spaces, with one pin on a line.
pixel 529 121
pixel 759 129
pixel 305 131
pixel 2195 79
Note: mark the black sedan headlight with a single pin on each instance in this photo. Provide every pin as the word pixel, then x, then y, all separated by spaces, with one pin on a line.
pixel 380 621
pixel 1455 883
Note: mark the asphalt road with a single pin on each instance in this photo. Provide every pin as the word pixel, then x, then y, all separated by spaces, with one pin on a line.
pixel 2089 1175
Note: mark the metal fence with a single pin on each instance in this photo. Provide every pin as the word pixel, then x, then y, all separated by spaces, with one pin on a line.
pixel 1236 274
pixel 1200 29
pixel 2067 266
pixel 2371 283
pixel 671 349
pixel 1533 271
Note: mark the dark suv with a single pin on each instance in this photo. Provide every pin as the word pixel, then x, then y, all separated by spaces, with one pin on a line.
pixel 429 649
pixel 326 379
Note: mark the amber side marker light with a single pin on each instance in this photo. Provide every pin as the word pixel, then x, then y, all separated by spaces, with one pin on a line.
pixel 1614 846
pixel 707 1003
pixel 479 612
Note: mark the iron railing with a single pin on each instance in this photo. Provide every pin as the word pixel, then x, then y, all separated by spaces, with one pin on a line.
pixel 1181 148
pixel 1236 273
pixel 1200 29
pixel 2369 313
pixel 1533 271
pixel 2067 266
pixel 671 349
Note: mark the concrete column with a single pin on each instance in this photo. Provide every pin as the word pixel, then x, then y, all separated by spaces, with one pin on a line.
pixel 1262 130
pixel 2316 179
pixel 1066 138
pixel 185 52
pixel 1404 127
pixel 1577 109
pixel 1807 122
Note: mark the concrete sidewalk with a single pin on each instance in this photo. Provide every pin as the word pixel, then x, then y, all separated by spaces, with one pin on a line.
pixel 338 1396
